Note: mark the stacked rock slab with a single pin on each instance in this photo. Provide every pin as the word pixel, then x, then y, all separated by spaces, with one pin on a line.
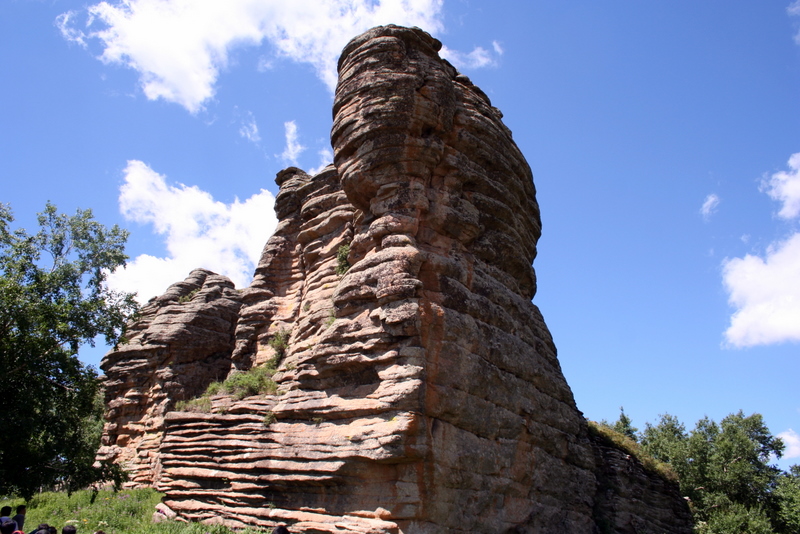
pixel 420 391
pixel 182 342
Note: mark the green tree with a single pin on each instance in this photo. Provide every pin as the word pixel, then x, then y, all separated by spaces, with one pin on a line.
pixel 53 298
pixel 725 472
pixel 623 425
pixel 788 492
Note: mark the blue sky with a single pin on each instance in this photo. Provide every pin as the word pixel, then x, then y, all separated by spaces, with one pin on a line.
pixel 661 136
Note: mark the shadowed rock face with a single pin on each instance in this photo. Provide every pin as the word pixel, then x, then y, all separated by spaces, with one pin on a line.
pixel 420 391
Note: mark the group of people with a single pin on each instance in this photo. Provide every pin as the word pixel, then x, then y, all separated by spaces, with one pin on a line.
pixel 16 524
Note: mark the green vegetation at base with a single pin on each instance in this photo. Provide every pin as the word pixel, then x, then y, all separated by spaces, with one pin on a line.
pixel 724 470
pixel 126 512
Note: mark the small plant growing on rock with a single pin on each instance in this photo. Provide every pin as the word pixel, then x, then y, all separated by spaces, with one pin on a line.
pixel 256 381
pixel 331 317
pixel 306 306
pixel 188 297
pixel 269 418
pixel 620 441
pixel 342 265
pixel 280 342
pixel 198 405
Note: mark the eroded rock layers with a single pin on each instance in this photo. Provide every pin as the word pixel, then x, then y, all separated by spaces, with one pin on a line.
pixel 419 391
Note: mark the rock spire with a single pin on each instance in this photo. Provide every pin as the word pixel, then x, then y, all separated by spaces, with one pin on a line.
pixel 418 390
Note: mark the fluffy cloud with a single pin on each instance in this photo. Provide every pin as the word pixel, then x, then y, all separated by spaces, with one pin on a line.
pixel 792 441
pixel 766 295
pixel 764 290
pixel 198 232
pixel 709 206
pixel 785 188
pixel 179 47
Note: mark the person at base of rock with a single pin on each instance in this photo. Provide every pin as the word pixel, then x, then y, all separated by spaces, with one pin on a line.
pixel 5 514
pixel 20 517
pixel 8 526
pixel 69 529
pixel 42 526
pixel 280 529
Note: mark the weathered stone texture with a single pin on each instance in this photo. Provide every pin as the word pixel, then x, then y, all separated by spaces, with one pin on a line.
pixel 181 343
pixel 421 391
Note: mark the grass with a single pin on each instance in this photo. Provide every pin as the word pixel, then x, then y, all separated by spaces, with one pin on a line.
pixel 256 381
pixel 126 512
pixel 198 405
pixel 626 444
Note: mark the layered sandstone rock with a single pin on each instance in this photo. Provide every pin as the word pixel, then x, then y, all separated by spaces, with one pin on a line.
pixel 181 343
pixel 420 390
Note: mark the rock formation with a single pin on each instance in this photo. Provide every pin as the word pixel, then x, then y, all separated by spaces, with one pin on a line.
pixel 419 391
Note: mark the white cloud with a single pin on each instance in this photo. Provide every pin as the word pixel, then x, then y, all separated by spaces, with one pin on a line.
pixel 64 23
pixel 709 206
pixel 293 147
pixel 792 441
pixel 179 47
pixel 497 48
pixel 198 231
pixel 766 295
pixel 325 159
pixel 794 10
pixel 478 58
pixel 249 129
pixel 785 187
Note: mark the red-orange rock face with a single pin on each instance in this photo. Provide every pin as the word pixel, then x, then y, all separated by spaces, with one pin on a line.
pixel 420 390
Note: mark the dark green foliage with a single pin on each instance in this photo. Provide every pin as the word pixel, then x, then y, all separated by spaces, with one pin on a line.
pixel 623 425
pixel 342 265
pixel 787 491
pixel 53 298
pixel 724 469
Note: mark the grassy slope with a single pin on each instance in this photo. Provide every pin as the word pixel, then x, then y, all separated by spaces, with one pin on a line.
pixel 126 512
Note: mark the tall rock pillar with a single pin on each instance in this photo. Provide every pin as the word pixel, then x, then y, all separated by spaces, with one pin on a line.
pixel 445 237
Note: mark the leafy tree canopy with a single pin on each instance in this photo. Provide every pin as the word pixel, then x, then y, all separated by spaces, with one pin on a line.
pixel 725 471
pixel 53 298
